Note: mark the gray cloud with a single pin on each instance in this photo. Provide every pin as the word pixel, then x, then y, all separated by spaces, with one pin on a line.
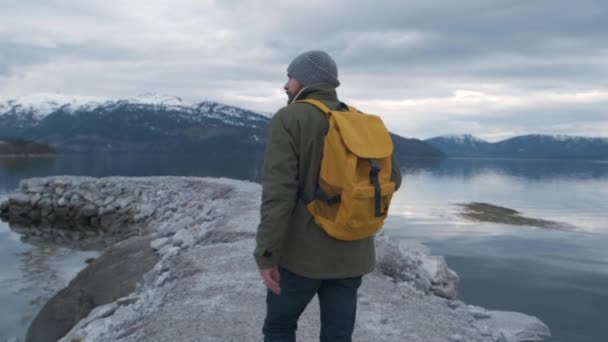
pixel 488 67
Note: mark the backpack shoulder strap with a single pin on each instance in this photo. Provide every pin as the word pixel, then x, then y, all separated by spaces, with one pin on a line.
pixel 326 109
pixel 317 104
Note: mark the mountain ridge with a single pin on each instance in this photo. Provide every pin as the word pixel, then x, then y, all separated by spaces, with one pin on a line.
pixel 151 122
pixel 528 146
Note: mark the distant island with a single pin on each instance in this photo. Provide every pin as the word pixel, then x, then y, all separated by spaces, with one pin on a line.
pixel 24 147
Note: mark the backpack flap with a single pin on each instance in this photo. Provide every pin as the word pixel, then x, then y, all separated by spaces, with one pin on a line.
pixel 364 135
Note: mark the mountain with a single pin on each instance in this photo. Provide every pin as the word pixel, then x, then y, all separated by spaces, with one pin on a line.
pixel 464 145
pixel 407 148
pixel 552 146
pixel 151 122
pixel 146 123
pixel 533 146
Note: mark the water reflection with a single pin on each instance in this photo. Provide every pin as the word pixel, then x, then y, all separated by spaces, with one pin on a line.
pixel 19 165
pixel 30 276
pixel 530 169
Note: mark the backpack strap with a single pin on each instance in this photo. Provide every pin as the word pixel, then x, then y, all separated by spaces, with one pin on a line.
pixel 317 104
pixel 324 108
pixel 373 179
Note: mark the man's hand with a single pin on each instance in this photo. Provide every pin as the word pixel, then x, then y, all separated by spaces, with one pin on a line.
pixel 272 279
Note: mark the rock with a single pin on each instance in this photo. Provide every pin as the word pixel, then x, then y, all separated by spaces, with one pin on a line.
pixel 478 312
pixel 61 212
pixel 15 211
pixel 62 202
pixel 159 243
pixel 108 200
pixel 444 281
pixel 124 263
pixel 522 326
pixel 35 199
pixel 19 199
pixel 107 210
pixel 505 336
pixel 75 200
pixel 12 339
pixel 4 205
pixel 36 189
pixel 76 235
pixel 88 210
pixel 59 191
pixel 45 211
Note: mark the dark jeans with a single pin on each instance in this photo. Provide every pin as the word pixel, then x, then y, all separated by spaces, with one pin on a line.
pixel 337 300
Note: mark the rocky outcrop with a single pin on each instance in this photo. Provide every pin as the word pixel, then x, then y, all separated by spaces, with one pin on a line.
pixel 205 285
pixel 73 208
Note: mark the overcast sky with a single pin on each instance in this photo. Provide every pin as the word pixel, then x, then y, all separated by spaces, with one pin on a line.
pixel 491 68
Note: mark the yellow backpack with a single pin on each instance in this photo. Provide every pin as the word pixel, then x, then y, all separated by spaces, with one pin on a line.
pixel 354 190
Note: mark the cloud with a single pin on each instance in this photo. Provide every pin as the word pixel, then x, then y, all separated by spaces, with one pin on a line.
pixel 487 67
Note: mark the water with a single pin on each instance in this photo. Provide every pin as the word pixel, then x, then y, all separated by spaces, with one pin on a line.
pixel 559 276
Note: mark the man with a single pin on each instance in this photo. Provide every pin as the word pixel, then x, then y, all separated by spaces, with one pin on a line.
pixel 297 259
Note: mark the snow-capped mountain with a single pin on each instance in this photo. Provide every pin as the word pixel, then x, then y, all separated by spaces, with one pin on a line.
pixel 42 104
pixel 27 111
pixel 525 146
pixel 463 145
pixel 149 121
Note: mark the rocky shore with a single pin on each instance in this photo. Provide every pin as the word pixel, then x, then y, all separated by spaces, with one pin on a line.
pixel 177 266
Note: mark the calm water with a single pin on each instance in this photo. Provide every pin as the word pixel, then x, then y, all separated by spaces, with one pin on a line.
pixel 561 277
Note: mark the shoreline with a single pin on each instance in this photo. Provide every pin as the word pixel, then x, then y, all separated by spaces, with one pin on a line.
pixel 203 247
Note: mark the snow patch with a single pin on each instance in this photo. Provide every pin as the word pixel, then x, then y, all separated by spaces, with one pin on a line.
pixel 42 104
pixel 158 100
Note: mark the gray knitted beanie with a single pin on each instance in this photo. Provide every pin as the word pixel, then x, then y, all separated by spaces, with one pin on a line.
pixel 314 67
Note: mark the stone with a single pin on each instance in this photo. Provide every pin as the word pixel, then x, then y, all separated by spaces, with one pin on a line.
pixel 61 212
pixel 35 199
pixel 523 327
pixel 76 235
pixel 45 211
pixel 88 210
pixel 107 210
pixel 17 210
pixel 36 189
pixel 62 202
pixel 158 243
pixel 19 199
pixel 108 200
pixel 75 200
pixel 478 312
pixel 4 206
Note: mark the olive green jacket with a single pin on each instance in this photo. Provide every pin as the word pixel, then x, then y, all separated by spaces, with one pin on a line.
pixel 287 235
